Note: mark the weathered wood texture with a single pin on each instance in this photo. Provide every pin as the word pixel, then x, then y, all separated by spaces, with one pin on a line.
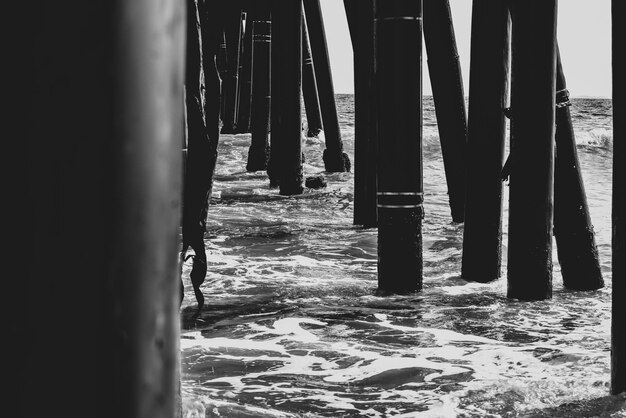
pixel 488 95
pixel 335 160
pixel 309 86
pixel 449 98
pixel 99 314
pixel 533 91
pixel 573 231
pixel 618 317
pixel 285 166
pixel 360 14
pixel 245 77
pixel 258 154
pixel 398 56
pixel 232 31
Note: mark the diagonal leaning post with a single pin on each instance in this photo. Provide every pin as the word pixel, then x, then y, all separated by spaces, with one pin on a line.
pixel 335 160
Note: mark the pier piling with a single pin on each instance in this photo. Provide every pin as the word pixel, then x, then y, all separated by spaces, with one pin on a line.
pixel 573 231
pixel 309 86
pixel 448 96
pixel 532 130
pixel 245 78
pixel 335 160
pixel 285 166
pixel 105 157
pixel 398 60
pixel 488 95
pixel 232 30
pixel 360 15
pixel 618 316
pixel 222 64
pixel 258 154
pixel 202 140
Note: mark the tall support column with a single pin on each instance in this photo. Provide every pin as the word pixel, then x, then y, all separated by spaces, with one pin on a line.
pixel 575 238
pixel 232 31
pixel 532 130
pixel 360 14
pixel 222 64
pixel 111 186
pixel 309 86
pixel 286 157
pixel 147 191
pixel 618 316
pixel 211 35
pixel 201 150
pixel 447 84
pixel 245 78
pixel 488 95
pixel 335 160
pixel 398 60
pixel 258 154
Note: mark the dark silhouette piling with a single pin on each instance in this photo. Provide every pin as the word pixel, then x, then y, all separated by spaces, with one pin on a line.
pixel 285 166
pixel 360 14
pixel 309 86
pixel 488 95
pixel 211 36
pixel 532 130
pixel 335 160
pixel 448 95
pixel 222 64
pixel 575 238
pixel 398 60
pixel 103 273
pixel 258 154
pixel 618 316
pixel 202 142
pixel 245 78
pixel 232 30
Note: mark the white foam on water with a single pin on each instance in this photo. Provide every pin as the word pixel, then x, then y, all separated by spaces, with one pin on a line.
pixel 292 321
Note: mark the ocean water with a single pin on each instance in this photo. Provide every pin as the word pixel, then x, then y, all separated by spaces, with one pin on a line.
pixel 293 326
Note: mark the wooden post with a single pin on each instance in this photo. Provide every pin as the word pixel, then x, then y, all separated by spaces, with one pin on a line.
pixel 232 30
pixel 488 95
pixel 309 86
pixel 448 95
pixel 245 79
pixel 335 160
pixel 222 65
pixel 258 154
pixel 533 128
pixel 575 238
pixel 211 36
pixel 286 139
pixel 103 270
pixel 360 14
pixel 618 317
pixel 201 152
pixel 398 55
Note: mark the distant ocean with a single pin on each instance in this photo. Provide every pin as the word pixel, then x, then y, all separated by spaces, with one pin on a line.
pixel 293 328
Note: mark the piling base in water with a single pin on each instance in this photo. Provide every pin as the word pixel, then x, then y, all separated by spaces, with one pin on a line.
pixel 258 158
pixel 336 163
pixel 581 267
pixel 400 267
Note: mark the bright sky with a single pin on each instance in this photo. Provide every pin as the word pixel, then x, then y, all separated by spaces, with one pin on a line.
pixel 584 33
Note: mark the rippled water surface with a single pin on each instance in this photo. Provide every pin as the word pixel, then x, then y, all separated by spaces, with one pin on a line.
pixel 293 326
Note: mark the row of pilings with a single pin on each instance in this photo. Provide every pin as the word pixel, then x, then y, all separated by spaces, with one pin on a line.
pixel 93 308
pixel 515 72
pixel 506 39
